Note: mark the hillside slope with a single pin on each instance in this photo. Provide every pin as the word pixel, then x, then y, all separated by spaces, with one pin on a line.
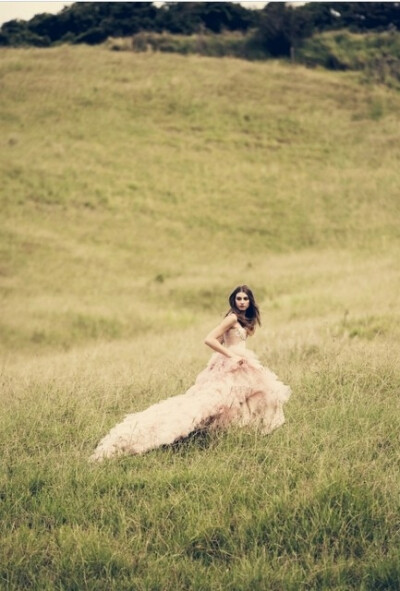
pixel 123 171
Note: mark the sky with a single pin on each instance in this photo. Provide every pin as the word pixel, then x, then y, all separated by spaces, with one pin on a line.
pixel 27 10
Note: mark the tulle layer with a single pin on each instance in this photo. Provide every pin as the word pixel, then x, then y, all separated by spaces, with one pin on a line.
pixel 224 393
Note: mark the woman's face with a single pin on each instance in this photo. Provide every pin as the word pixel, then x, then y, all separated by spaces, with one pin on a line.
pixel 242 301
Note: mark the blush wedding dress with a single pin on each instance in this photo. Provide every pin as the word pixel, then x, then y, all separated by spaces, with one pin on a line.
pixel 225 392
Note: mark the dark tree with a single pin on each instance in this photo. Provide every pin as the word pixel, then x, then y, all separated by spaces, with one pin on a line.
pixel 364 16
pixel 178 18
pixel 220 16
pixel 281 28
pixel 191 17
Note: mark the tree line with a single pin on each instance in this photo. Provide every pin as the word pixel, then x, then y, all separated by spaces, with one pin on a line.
pixel 278 27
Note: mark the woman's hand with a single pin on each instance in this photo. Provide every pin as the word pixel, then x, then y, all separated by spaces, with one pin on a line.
pixel 237 359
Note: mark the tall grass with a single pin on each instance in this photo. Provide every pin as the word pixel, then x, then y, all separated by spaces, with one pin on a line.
pixel 225 44
pixel 137 191
pixel 376 55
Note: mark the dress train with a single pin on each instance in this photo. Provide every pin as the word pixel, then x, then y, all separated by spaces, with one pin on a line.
pixel 224 393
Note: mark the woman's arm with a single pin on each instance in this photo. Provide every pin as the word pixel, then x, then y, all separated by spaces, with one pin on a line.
pixel 212 339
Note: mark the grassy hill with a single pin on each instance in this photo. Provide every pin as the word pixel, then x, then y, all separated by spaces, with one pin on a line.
pixel 137 191
pixel 121 171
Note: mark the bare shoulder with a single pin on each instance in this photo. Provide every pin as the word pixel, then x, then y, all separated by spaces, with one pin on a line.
pixel 230 320
pixel 226 324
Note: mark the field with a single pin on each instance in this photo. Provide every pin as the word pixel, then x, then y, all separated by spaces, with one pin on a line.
pixel 137 191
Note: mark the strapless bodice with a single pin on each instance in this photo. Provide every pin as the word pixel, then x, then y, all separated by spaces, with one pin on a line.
pixel 235 337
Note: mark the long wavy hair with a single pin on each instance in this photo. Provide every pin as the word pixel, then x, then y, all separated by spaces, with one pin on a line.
pixel 251 316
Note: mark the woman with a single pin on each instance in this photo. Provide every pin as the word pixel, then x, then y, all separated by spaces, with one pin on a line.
pixel 234 388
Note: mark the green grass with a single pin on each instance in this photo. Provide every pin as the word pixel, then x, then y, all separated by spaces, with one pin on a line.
pixel 137 191
pixel 376 55
pixel 227 44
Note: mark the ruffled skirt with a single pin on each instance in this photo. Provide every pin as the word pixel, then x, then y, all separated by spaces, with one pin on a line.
pixel 224 393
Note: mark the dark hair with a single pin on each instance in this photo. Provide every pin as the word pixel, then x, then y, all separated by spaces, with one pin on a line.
pixel 251 316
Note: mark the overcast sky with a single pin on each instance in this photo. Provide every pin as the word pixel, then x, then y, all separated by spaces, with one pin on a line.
pixel 26 10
